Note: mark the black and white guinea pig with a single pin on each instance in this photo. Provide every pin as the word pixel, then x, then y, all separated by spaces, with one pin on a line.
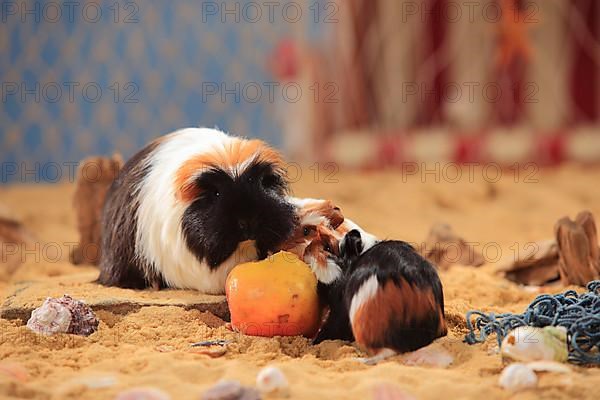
pixel 389 298
pixel 189 207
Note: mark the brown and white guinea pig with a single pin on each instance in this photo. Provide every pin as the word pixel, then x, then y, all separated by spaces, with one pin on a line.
pixel 316 238
pixel 189 207
pixel 389 298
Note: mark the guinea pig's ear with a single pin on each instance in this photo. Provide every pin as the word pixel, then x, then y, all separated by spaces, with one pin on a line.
pixel 332 212
pixel 352 244
pixel 335 216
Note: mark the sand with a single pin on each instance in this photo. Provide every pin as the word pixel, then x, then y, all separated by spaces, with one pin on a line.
pixel 149 346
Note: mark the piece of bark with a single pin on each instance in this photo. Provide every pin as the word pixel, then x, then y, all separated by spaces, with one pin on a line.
pixel 578 249
pixel 444 247
pixel 538 267
pixel 94 177
pixel 13 237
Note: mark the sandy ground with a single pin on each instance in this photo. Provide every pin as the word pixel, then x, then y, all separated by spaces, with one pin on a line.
pixel 150 347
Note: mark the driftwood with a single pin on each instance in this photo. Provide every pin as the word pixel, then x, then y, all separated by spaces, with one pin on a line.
pixel 13 237
pixel 537 267
pixel 573 256
pixel 94 177
pixel 443 247
pixel 579 254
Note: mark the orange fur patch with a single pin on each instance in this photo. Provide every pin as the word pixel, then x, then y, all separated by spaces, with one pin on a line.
pixel 297 243
pixel 404 303
pixel 227 158
pixel 325 208
pixel 314 245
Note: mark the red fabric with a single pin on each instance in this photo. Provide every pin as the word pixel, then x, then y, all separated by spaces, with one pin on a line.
pixel 549 148
pixel 584 80
pixel 434 39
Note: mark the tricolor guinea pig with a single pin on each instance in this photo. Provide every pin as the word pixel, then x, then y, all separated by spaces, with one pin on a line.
pixel 388 298
pixel 316 238
pixel 189 207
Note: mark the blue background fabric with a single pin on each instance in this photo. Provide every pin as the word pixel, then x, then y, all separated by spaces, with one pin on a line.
pixel 82 78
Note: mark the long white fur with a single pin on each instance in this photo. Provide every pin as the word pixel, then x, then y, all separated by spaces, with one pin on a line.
pixel 326 275
pixel 366 292
pixel 159 239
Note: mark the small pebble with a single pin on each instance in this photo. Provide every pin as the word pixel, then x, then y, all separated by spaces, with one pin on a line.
pixel 385 391
pixel 517 376
pixel 272 380
pixel 432 355
pixel 230 390
pixel 549 366
pixel 97 382
pixel 143 394
pixel 164 348
pixel 215 352
pixel 14 371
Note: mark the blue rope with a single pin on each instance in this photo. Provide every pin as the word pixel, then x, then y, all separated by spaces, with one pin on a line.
pixel 579 314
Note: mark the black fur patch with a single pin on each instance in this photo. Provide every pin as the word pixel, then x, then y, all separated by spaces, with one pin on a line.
pixel 398 262
pixel 394 261
pixel 229 210
pixel 119 265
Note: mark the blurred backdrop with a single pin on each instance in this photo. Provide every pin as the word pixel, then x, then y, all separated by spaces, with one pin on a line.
pixel 364 83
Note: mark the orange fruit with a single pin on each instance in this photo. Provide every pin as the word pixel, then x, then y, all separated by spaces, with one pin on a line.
pixel 273 297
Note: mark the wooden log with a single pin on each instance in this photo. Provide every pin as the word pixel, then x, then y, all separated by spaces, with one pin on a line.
pixel 94 177
pixel 444 247
pixel 577 241
pixel 13 237
pixel 536 267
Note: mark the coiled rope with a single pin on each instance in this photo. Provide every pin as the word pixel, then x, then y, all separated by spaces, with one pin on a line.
pixel 578 313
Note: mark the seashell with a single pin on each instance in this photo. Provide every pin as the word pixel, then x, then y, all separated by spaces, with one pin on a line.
pixel 433 355
pixel 50 318
pixel 143 393
pixel 271 379
pixel 527 343
pixel 549 366
pixel 230 390
pixel 517 376
pixel 63 315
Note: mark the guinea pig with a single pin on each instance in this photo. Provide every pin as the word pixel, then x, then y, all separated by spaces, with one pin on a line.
pixel 320 228
pixel 189 207
pixel 389 299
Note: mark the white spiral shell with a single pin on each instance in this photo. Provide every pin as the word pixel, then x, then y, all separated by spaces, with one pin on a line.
pixel 50 318
pixel 63 315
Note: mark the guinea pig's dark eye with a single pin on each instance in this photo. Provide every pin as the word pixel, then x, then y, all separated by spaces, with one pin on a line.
pixel 328 248
pixel 211 194
pixel 306 231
